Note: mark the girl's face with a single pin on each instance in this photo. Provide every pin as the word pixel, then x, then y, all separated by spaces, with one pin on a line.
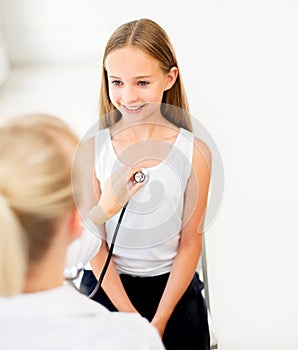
pixel 135 79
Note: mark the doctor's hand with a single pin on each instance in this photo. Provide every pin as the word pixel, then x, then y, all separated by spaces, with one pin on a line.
pixel 116 192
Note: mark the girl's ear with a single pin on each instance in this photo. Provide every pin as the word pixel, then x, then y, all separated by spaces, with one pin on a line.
pixel 171 77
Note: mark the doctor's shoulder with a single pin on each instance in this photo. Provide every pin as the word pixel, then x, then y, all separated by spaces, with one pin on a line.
pixel 138 330
pixel 100 328
pixel 117 330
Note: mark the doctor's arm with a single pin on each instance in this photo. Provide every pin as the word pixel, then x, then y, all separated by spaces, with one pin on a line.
pixel 112 198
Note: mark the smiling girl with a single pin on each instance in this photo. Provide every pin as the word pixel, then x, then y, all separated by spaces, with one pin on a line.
pixel 145 122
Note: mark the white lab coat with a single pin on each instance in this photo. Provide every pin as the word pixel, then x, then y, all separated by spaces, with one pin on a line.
pixel 62 318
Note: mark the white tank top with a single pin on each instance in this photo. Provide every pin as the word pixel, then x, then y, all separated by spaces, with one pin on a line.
pixel 148 237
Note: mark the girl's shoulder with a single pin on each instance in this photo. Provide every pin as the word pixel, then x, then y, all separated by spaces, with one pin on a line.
pixel 202 151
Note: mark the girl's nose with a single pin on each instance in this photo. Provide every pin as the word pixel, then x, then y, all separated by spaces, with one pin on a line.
pixel 129 94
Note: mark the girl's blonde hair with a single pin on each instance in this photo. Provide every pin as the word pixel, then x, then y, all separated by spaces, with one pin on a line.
pixel 35 192
pixel 149 37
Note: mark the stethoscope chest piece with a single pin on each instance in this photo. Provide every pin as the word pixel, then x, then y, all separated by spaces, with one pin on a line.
pixel 141 176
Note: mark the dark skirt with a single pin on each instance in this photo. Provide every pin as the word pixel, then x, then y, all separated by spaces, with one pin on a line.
pixel 187 328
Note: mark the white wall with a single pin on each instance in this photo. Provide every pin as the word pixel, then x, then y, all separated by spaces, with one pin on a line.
pixel 239 63
pixel 73 30
pixel 4 64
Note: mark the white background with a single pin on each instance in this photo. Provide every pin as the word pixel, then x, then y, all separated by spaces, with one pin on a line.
pixel 238 60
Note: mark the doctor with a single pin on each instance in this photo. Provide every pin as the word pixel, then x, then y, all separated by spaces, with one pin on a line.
pixel 38 221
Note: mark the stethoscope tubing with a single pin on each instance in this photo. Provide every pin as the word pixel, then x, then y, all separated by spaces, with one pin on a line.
pixel 106 265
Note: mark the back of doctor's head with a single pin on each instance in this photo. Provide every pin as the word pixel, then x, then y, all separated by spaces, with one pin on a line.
pixel 35 192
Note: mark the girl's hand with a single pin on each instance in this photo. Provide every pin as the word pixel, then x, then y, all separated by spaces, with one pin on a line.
pixel 159 325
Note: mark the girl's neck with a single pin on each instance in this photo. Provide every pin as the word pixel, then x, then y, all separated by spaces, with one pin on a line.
pixel 153 129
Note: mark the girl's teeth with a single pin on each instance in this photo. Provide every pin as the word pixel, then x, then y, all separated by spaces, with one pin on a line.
pixel 133 108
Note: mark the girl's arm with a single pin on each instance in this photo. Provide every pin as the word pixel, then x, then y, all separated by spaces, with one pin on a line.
pixel 190 245
pixel 111 284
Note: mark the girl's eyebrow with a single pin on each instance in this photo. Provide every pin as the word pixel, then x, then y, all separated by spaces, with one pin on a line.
pixel 138 77
pixel 143 76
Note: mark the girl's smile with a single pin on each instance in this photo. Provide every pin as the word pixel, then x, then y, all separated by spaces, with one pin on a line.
pixel 133 109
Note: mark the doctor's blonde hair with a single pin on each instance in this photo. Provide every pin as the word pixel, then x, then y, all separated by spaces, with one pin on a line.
pixel 35 192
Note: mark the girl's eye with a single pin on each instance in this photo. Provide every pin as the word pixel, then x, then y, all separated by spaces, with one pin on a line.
pixel 143 83
pixel 116 82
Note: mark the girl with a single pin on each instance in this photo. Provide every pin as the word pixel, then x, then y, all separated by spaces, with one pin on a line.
pixel 38 221
pixel 145 123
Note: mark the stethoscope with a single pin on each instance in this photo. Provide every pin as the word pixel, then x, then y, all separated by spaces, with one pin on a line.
pixel 71 274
